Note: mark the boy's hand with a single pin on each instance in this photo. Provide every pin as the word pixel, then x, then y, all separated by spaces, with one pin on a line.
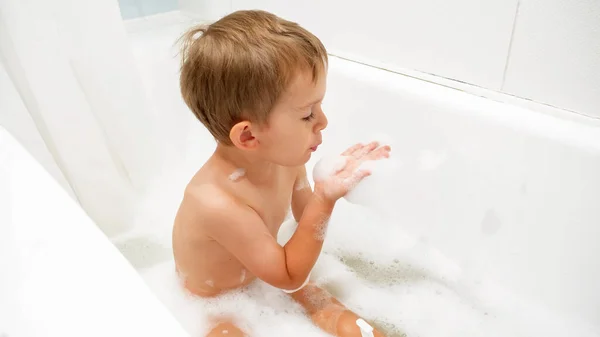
pixel 344 179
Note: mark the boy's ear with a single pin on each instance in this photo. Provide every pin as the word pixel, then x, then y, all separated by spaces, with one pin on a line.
pixel 241 135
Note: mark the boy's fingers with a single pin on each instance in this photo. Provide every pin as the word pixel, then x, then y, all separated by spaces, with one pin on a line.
pixel 382 152
pixel 360 175
pixel 386 151
pixel 352 149
pixel 366 149
pixel 372 145
pixel 364 174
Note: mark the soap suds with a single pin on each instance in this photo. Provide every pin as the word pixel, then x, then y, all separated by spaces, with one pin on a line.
pixel 243 276
pixel 321 228
pixel 328 166
pixel 302 184
pixel 237 174
pixel 331 315
pixel 375 268
pixel 382 174
pixel 366 330
pixel 316 297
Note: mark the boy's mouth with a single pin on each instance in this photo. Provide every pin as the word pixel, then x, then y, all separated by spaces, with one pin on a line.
pixel 314 148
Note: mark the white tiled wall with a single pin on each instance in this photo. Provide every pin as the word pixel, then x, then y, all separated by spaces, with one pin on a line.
pixel 544 50
pixel 207 9
pixel 457 39
pixel 137 8
pixel 555 54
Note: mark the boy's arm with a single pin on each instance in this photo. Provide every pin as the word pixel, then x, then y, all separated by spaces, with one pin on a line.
pixel 242 232
pixel 301 194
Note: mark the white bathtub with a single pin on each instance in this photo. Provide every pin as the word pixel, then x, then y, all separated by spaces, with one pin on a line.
pixel 504 201
pixel 509 194
pixel 59 274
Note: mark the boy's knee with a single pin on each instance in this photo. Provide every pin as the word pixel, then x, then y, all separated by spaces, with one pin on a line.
pixel 226 329
pixel 346 325
pixel 338 321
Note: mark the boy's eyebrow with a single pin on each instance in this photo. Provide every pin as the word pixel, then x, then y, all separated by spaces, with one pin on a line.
pixel 312 103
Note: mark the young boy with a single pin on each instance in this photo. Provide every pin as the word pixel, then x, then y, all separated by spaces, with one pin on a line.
pixel 256 82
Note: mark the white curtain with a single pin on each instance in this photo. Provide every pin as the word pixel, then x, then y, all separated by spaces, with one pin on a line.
pixel 74 79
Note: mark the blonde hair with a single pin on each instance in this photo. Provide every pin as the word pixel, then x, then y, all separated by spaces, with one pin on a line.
pixel 236 68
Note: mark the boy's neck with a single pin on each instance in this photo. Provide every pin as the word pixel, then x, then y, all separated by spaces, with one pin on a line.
pixel 256 170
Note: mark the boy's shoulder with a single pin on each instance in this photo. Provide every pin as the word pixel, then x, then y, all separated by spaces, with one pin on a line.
pixel 207 206
pixel 208 187
pixel 209 197
pixel 214 191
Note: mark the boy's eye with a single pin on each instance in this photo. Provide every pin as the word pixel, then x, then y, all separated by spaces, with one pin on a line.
pixel 309 117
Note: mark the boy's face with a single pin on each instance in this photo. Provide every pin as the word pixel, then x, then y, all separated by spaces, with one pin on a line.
pixel 295 123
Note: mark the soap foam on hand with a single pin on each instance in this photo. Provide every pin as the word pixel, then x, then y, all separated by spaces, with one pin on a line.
pixel 383 174
pixel 366 192
pixel 328 166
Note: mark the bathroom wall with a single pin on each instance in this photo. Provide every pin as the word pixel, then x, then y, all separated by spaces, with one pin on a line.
pixel 137 8
pixel 547 51
pixel 555 54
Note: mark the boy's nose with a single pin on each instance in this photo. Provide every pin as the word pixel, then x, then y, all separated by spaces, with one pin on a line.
pixel 322 124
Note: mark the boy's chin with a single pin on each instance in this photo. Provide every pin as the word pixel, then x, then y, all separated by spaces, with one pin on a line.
pixel 298 162
pixel 306 158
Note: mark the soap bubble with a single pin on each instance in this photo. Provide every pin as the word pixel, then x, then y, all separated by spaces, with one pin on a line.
pixel 328 166
pixel 368 190
pixel 378 185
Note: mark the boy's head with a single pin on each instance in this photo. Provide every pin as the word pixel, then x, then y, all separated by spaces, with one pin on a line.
pixel 256 82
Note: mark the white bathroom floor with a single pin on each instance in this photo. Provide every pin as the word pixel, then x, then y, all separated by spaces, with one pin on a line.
pixel 390 278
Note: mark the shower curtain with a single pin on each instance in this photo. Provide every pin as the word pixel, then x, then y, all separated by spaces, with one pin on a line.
pixel 71 73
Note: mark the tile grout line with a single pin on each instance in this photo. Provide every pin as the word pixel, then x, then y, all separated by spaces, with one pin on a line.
pixel 510 44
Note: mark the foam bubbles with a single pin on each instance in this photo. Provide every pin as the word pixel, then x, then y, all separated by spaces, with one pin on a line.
pixel 372 189
pixel 369 189
pixel 396 282
pixel 321 228
pixel 302 184
pixel 237 174
pixel 393 280
pixel 328 166
pixel 366 330
pixel 257 309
